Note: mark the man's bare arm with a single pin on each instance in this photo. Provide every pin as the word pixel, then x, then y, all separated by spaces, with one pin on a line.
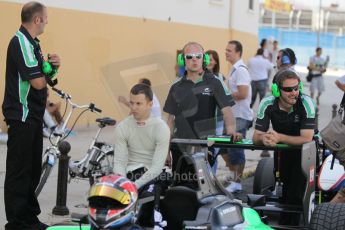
pixel 38 83
pixel 340 86
pixel 241 93
pixel 229 120
pixel 258 137
pixel 171 123
pixel 306 136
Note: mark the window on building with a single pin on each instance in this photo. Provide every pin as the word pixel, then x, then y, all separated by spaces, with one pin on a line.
pixel 251 5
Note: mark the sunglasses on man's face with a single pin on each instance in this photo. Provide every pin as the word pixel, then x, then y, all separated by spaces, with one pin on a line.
pixel 190 56
pixel 290 89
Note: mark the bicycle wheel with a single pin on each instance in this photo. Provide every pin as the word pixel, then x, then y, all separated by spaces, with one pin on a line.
pixel 105 165
pixel 46 170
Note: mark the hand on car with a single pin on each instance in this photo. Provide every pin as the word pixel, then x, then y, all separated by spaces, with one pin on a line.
pixel 271 138
pixel 235 136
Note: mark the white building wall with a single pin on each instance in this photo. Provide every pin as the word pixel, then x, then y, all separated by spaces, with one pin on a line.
pixel 242 18
pixel 226 14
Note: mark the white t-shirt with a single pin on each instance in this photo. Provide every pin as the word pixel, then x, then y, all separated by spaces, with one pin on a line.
pixel 156 107
pixel 274 57
pixel 319 63
pixel 259 68
pixel 239 75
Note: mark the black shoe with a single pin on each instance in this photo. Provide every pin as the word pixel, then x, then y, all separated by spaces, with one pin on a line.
pixel 41 226
pixel 22 226
pixel 265 153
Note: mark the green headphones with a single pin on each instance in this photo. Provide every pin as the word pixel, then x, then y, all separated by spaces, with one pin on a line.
pixel 181 61
pixel 275 87
pixel 48 69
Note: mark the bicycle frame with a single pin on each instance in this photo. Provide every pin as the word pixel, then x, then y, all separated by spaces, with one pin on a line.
pixel 52 152
pixel 94 155
pixel 53 149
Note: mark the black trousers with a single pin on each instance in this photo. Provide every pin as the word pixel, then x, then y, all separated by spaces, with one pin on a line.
pixel 294 184
pixel 155 188
pixel 23 172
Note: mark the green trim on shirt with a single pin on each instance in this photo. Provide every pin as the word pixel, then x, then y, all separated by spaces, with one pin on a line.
pixel 24 89
pixel 267 101
pixel 309 106
pixel 27 50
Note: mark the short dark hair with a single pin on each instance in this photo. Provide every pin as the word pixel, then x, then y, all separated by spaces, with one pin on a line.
pixel 260 51
pixel 238 46
pixel 284 74
pixel 216 58
pixel 290 54
pixel 318 49
pixel 145 81
pixel 142 89
pixel 30 10
pixel 263 42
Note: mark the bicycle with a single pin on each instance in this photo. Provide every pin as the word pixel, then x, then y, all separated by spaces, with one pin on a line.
pixel 99 158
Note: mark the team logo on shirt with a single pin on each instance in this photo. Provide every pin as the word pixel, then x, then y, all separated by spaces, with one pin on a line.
pixel 296 118
pixel 207 91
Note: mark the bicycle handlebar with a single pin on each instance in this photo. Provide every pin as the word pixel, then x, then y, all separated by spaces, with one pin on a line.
pixel 93 108
pixel 61 93
pixel 64 95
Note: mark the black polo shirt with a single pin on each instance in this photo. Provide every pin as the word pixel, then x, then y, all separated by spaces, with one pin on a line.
pixel 24 60
pixel 194 105
pixel 301 116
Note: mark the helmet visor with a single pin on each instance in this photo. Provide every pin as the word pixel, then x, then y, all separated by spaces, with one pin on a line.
pixel 111 192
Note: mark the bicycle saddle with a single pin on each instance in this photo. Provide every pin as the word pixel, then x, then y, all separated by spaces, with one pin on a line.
pixel 106 121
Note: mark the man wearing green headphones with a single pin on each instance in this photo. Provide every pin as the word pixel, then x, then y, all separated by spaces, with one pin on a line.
pixel 292 115
pixel 192 100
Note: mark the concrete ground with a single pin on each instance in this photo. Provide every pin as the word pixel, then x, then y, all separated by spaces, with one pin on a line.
pixel 77 190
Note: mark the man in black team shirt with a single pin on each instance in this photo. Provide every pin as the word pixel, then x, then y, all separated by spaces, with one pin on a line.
pixel 23 109
pixel 192 100
pixel 292 115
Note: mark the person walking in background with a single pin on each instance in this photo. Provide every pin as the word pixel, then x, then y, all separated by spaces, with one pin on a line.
pixel 274 53
pixel 239 85
pixel 23 108
pixel 192 100
pixel 264 46
pixel 214 68
pixel 317 66
pixel 156 106
pixel 259 69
